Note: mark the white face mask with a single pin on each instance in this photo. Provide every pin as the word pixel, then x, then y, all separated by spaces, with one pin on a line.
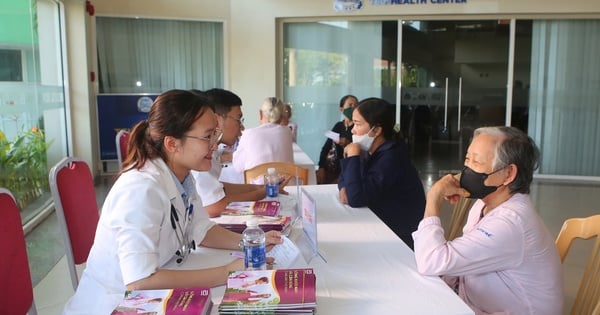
pixel 364 141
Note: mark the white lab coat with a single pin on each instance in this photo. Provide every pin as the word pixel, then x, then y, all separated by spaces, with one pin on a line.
pixel 134 237
pixel 208 185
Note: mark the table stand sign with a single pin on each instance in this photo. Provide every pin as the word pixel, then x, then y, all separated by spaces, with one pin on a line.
pixel 309 226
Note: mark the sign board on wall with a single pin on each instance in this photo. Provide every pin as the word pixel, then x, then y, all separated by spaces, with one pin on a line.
pixel 116 112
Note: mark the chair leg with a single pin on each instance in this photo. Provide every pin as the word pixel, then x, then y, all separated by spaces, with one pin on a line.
pixel 32 309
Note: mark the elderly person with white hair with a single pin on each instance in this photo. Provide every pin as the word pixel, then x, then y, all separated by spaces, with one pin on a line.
pixel 505 262
pixel 269 142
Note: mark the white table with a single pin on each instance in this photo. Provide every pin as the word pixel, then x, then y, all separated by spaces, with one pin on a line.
pixel 369 270
pixel 230 175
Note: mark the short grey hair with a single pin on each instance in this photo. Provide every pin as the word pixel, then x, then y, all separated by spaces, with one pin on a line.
pixel 514 147
pixel 272 108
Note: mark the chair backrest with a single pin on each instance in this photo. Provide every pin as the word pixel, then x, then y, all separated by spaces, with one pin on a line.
pixel 122 141
pixel 596 310
pixel 284 168
pixel 588 295
pixel 72 188
pixel 16 292
pixel 459 217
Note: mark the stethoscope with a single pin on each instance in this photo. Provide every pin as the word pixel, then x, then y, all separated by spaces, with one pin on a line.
pixel 185 246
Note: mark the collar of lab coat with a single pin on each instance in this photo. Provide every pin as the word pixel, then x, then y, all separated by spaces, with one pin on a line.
pixel 159 166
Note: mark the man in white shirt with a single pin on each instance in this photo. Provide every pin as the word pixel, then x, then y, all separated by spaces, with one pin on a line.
pixel 216 195
pixel 269 142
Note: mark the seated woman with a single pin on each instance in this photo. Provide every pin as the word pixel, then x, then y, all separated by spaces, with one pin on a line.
pixel 506 261
pixel 152 217
pixel 285 120
pixel 377 172
pixel 332 151
pixel 269 142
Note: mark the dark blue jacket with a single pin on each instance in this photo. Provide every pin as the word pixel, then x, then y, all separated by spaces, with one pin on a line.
pixel 389 185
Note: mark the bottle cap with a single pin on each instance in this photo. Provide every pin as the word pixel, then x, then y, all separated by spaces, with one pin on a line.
pixel 271 171
pixel 252 222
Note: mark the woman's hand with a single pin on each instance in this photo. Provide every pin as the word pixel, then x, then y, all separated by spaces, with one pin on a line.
pixel 352 149
pixel 236 264
pixel 446 188
pixel 343 197
pixel 284 183
pixel 273 238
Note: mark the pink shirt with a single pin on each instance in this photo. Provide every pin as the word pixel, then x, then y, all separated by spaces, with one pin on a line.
pixel 506 262
pixel 266 143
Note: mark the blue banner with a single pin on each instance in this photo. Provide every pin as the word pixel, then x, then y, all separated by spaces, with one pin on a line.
pixel 116 112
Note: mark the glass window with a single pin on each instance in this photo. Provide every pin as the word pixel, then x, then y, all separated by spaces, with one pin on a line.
pixel 454 79
pixel 32 103
pixel 10 65
pixel 152 56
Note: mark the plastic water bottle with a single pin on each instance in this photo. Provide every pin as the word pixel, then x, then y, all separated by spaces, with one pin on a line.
pixel 254 246
pixel 272 181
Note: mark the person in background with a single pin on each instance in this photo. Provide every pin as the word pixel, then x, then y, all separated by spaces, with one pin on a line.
pixel 149 219
pixel 269 142
pixel 285 120
pixel 377 172
pixel 506 261
pixel 215 195
pixel 332 151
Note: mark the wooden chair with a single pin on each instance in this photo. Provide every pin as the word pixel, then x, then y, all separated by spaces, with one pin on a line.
pixel 596 310
pixel 122 141
pixel 72 188
pixel 16 293
pixel 588 295
pixel 284 168
pixel 460 212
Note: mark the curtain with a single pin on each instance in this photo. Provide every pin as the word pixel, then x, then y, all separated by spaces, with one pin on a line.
pixel 564 96
pixel 151 56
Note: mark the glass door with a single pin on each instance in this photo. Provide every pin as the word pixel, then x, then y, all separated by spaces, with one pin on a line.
pixel 453 80
pixel 325 60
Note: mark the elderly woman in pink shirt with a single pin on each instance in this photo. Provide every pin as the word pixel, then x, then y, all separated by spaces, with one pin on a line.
pixel 506 261
pixel 269 142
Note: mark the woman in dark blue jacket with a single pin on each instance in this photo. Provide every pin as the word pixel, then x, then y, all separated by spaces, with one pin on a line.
pixel 332 152
pixel 377 172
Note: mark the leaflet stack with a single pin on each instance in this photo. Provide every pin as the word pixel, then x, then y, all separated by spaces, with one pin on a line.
pixel 282 291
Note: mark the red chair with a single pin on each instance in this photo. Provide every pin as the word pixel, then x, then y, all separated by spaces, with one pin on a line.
pixel 16 291
pixel 122 141
pixel 72 188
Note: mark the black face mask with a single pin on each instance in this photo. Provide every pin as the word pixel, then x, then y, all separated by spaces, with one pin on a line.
pixel 473 183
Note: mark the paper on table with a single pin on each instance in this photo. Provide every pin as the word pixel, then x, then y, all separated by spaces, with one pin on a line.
pixel 332 135
pixel 285 254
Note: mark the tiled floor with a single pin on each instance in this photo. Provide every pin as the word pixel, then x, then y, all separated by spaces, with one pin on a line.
pixel 554 201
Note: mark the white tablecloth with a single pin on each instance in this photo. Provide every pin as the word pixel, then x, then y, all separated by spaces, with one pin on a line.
pixel 369 270
pixel 230 175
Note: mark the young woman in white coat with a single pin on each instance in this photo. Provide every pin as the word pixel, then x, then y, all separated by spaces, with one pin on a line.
pixel 152 217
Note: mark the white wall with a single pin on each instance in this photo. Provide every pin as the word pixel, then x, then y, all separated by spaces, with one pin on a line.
pixel 83 135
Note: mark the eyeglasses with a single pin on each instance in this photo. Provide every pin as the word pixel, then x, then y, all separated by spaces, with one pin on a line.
pixel 239 120
pixel 215 137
